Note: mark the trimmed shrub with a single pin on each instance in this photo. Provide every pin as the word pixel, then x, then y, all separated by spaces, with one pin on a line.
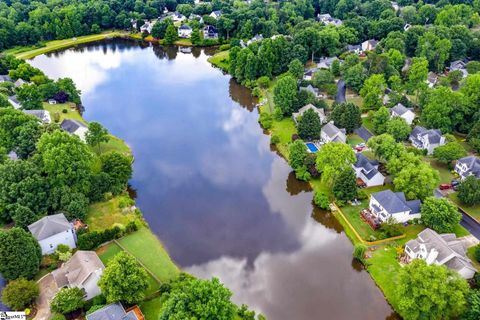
pixel 359 252
pixel 274 139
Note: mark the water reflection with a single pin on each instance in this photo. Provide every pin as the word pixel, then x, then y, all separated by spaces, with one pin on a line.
pixel 211 186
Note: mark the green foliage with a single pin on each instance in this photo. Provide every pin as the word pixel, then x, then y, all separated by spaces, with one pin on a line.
pixel 20 293
pixel 263 82
pixel 345 185
pixel 398 128
pixel 321 200
pixel 441 109
pixel 274 139
pixel 440 214
pixel 171 34
pixel 63 252
pixel 309 125
pixel 67 300
pixel 334 158
pixel 93 239
pixel 266 120
pixel 449 152
pixel 123 280
pixel 118 168
pixel 29 97
pixel 473 306
pixel 96 134
pixel 380 119
pixel 477 252
pixel 372 91
pixel 355 76
pixel 347 115
pixel 359 252
pixel 322 78
pixel 469 191
pixel 297 157
pixel 385 147
pixel 430 292
pixel 417 75
pixel 198 299
pixel 160 28
pixel 417 181
pixel 295 67
pixel 20 254
pixel 285 94
pixel 57 316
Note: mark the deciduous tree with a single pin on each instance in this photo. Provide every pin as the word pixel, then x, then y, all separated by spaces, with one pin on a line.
pixel 440 214
pixel 469 191
pixel 67 300
pixel 347 115
pixel 309 125
pixel 285 94
pixel 20 293
pixel 334 158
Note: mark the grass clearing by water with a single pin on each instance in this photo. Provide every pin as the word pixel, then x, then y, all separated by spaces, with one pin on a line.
pixel 103 215
pixel 220 60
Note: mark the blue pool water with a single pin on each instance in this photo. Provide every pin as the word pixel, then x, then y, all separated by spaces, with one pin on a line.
pixel 311 147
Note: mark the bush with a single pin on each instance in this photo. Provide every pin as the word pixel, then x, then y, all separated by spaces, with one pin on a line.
pixel 92 240
pixel 362 195
pixel 224 47
pixel 125 202
pixel 274 139
pixel 321 200
pixel 359 252
pixel 477 252
pixel 57 316
pixel 256 92
pixel 389 230
pixel 263 82
pixel 64 111
pixel 131 227
pixel 98 300
pixel 266 120
pixel 67 300
pixel 20 293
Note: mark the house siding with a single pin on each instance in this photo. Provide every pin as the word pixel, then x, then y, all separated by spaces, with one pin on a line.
pixel 50 244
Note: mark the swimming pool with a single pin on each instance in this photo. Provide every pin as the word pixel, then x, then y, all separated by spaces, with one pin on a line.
pixel 311 147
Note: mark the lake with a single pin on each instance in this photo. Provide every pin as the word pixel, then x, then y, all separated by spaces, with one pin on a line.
pixel 211 187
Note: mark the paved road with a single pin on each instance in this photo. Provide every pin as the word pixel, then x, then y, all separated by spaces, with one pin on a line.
pixel 470 224
pixel 340 97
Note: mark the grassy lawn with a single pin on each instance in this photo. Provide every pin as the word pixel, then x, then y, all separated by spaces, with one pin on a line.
pixel 284 129
pixel 220 60
pixel 354 139
pixel 446 175
pixel 72 112
pixel 151 309
pixel 355 98
pixel 107 252
pixel 352 213
pixel 471 255
pixel 474 211
pixel 30 52
pixel 145 246
pixel 103 215
pixel 367 123
pixel 183 42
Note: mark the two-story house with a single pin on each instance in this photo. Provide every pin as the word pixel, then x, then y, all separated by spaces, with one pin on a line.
pixel 403 112
pixel 185 31
pixel 468 166
pixel 426 139
pixel 367 171
pixel 50 231
pixel 330 133
pixel 319 111
pixel 442 249
pixel 385 205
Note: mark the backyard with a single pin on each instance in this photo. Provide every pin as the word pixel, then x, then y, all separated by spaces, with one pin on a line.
pixel 103 215
pixel 220 60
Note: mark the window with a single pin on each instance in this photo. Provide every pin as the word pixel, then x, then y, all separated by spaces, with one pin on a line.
pixel 51 246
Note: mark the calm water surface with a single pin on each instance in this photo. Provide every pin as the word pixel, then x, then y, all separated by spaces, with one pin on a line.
pixel 211 188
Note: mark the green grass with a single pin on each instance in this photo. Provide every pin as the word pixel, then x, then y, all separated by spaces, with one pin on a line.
pixel 355 98
pixel 72 112
pixel 103 215
pixel 354 139
pixel 183 42
pixel 446 175
pixel 352 213
pixel 460 231
pixel 474 211
pixel 471 255
pixel 220 60
pixel 284 129
pixel 30 52
pixel 145 246
pixel 367 123
pixel 106 254
pixel 151 309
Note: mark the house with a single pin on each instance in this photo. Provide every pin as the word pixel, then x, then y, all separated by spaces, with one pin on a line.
pixel 75 127
pixel 256 38
pixel 468 166
pixel 19 83
pixel 216 14
pixel 403 112
pixel 441 249
pixel 146 27
pixel 369 45
pixel 42 115
pixel 308 75
pixel 395 6
pixel 367 171
pixel 311 89
pixel 115 311
pixel 178 17
pixel 426 139
pixel 194 16
pixel 326 63
pixel 210 32
pixel 320 112
pixel 330 133
pixel 185 31
pixel 5 78
pixel 50 231
pixel 355 48
pixel 83 271
pixel 52 101
pixel 459 65
pixel 407 26
pixel 432 79
pixel 387 204
pixel 329 20
pixel 14 102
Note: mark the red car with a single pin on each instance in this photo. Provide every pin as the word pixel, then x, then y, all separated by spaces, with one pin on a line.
pixel 445 186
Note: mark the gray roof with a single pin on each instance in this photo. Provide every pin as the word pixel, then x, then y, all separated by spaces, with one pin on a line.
pixel 331 130
pixel 75 271
pixel 363 133
pixel 400 109
pixel 49 226
pixel 20 82
pixel 367 166
pixel 5 77
pixel 14 99
pixel 113 311
pixel 356 47
pixel 40 114
pixel 473 165
pixel 185 27
pixel 434 136
pixel 71 125
pixel 394 202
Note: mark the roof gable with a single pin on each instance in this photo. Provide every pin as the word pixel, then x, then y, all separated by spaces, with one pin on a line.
pixel 49 226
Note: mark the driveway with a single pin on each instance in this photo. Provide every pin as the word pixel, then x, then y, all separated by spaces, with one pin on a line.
pixel 341 89
pixel 48 289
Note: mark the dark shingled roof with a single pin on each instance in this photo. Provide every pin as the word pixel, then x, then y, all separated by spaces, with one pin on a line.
pixel 394 202
pixel 71 126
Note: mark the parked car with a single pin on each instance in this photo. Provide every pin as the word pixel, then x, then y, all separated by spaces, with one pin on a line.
pixel 359 149
pixel 445 186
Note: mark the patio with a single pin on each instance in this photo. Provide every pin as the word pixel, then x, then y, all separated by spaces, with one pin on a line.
pixel 369 218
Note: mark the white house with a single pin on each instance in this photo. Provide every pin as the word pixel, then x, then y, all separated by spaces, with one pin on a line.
pixel 468 166
pixel 320 112
pixel 147 27
pixel 369 45
pixel 178 17
pixel 403 112
pixel 367 171
pixel 50 231
pixel 441 249
pixel 216 14
pixel 256 38
pixel 83 271
pixel 459 65
pixel 210 32
pixel 388 204
pixel 330 133
pixel 355 48
pixel 20 82
pixel 327 19
pixel 75 127
pixel 308 74
pixel 185 31
pixel 14 102
pixel 42 115
pixel 424 139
